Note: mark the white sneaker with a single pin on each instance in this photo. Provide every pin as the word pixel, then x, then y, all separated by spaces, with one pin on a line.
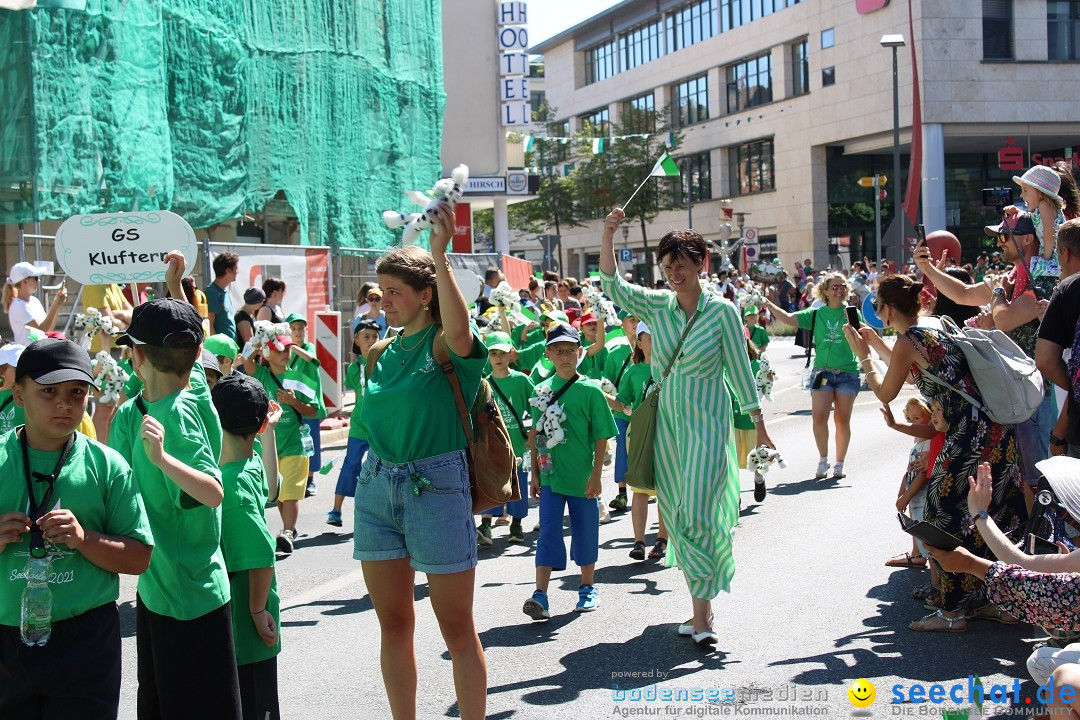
pixel 605 516
pixel 838 471
pixel 822 469
pixel 285 541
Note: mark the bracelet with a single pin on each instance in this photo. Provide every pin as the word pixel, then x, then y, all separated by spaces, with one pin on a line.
pixel 981 515
pixel 866 360
pixel 1056 441
pixel 259 612
pixel 758 419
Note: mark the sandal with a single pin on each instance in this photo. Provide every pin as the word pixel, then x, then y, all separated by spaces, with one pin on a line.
pixel 638 553
pixel 659 550
pixel 502 520
pixel 923 592
pixel 930 624
pixel 906 560
pixel 993 612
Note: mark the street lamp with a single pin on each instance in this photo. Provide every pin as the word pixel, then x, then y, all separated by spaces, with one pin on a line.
pixel 894 42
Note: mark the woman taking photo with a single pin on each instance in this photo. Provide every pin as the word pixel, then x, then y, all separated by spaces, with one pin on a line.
pixel 697 474
pixel 970 440
pixel 836 372
pixel 23 308
pixel 413 508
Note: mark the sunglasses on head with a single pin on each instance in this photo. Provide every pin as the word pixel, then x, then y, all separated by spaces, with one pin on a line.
pixel 374 298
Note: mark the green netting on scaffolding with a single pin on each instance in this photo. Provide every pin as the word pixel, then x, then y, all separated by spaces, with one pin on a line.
pixel 210 107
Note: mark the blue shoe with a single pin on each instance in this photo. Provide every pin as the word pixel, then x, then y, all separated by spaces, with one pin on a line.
pixel 333 517
pixel 588 599
pixel 536 607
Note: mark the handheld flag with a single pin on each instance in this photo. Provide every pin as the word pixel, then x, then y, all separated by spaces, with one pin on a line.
pixel 664 167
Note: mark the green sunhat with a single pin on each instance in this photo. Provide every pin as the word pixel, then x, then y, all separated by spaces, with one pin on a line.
pixel 221 345
pixel 295 317
pixel 555 316
pixel 498 341
pixel 750 310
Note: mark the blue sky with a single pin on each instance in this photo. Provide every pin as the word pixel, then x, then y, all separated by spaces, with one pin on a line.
pixel 551 17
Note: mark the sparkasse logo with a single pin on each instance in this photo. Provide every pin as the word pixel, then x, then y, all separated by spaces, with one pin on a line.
pixel 868 6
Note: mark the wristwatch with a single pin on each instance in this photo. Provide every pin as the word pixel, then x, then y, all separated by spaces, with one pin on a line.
pixel 1056 441
pixel 999 293
pixel 981 515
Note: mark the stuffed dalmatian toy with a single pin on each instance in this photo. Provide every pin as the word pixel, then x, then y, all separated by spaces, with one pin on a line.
pixel 754 296
pixel 91 324
pixel 264 332
pixel 507 298
pixel 608 387
pixel 761 460
pixel 765 378
pixel 601 306
pixel 447 190
pixel 111 377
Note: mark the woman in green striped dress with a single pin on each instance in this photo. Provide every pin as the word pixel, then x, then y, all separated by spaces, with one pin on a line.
pixel 697 474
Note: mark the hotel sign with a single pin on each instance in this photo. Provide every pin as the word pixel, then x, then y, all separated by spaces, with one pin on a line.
pixel 513 40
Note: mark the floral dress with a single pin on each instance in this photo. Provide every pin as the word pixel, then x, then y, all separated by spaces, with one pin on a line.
pixel 971 440
pixel 1049 600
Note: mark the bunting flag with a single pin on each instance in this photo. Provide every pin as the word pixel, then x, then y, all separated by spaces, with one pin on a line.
pixel 530 143
pixel 598 145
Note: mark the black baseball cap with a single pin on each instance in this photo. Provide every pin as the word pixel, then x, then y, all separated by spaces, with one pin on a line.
pixel 54 360
pixel 241 403
pixel 1020 224
pixel 560 332
pixel 254 296
pixel 165 322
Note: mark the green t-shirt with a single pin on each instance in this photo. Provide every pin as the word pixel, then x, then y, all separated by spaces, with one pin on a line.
pixel 830 346
pixel 760 337
pixel 354 380
pixel 632 387
pixel 11 415
pixel 618 363
pixel 310 371
pixel 588 420
pixel 518 389
pixel 200 389
pixel 530 355
pixel 246 544
pixel 287 432
pixel 96 485
pixel 409 407
pixel 536 335
pixel 186 577
pixel 592 366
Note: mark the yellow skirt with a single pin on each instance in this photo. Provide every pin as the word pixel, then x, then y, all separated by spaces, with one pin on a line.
pixel 745 441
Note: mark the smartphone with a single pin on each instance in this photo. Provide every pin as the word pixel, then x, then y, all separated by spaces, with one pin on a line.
pixel 920 230
pixel 1041 546
pixel 853 316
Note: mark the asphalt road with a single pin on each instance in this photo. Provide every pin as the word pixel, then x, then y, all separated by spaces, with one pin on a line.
pixel 812 608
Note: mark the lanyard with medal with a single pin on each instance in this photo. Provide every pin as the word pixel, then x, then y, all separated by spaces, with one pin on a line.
pixel 35 619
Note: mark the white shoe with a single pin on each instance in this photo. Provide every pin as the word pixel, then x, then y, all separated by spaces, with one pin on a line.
pixel 705 638
pixel 838 471
pixel 605 516
pixel 822 469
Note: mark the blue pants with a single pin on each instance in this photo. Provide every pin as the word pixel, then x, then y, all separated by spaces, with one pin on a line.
pixel 584 530
pixel 621 464
pixel 315 461
pixel 517 509
pixel 355 452
pixel 1033 438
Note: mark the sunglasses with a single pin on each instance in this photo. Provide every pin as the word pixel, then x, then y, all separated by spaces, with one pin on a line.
pixel 838 287
pixel 374 298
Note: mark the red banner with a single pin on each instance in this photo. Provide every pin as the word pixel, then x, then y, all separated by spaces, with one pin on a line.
pixel 518 272
pixel 462 242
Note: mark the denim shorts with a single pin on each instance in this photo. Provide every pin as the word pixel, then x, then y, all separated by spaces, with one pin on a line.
pixel 844 383
pixel 421 510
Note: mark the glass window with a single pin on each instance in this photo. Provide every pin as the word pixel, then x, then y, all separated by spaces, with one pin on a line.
pixel 641 45
pixel 690 102
pixel 640 114
pixel 691 24
pixel 828 76
pixel 601 62
pixel 828 38
pixel 800 68
pixel 596 124
pixel 752 167
pixel 735 13
pixel 749 83
pixel 997 29
pixel 696 174
pixel 1063 29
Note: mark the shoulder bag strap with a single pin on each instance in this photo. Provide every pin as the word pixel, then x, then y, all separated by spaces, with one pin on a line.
pixel 564 388
pixel 7 401
pixel 299 417
pixel 810 342
pixel 373 355
pixel 675 354
pixel 140 403
pixel 513 411
pixel 622 370
pixel 441 354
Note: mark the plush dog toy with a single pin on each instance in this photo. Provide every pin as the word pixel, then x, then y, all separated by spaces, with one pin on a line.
pixel 601 306
pixel 264 332
pixel 504 296
pixel 754 296
pixel 761 460
pixel 448 190
pixel 91 324
pixel 608 387
pixel 111 377
pixel 765 378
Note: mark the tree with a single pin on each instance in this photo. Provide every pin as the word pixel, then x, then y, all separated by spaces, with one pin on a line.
pixel 609 178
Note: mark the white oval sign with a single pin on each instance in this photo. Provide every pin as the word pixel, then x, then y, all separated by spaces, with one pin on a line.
pixel 122 247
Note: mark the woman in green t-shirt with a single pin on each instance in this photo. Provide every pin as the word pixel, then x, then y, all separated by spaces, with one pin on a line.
pixel 413 507
pixel 836 370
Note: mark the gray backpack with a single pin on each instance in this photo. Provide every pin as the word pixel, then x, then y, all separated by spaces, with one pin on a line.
pixel 1010 385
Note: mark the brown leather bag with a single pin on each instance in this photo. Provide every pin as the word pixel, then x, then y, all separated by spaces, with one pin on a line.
pixel 493 478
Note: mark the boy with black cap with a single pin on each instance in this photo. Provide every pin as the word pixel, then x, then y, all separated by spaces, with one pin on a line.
pixel 247 545
pixel 84 524
pixel 183 619
pixel 568 450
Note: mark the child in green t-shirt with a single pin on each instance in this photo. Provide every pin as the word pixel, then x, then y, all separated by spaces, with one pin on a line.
pixel 11 415
pixel 85 524
pixel 183 619
pixel 512 391
pixel 246 543
pixel 571 426
pixel 619 360
pixel 365 334
pixel 303 362
pixel 300 399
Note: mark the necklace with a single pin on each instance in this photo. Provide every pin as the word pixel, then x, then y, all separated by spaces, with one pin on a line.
pixel 401 343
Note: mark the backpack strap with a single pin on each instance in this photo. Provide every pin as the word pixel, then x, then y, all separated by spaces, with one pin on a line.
pixel 622 370
pixel 373 355
pixel 441 354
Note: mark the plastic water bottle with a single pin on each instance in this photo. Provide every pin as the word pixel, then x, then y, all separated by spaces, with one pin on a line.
pixel 35 622
pixel 306 441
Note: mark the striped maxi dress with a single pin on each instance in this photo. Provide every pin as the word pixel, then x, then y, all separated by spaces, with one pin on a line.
pixel 697 473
